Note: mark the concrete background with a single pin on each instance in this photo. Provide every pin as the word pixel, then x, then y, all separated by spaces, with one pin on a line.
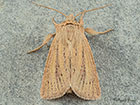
pixel 23 26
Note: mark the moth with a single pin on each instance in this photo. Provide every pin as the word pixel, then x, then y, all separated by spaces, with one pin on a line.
pixel 70 66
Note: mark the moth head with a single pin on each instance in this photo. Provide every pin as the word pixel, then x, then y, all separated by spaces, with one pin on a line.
pixel 70 17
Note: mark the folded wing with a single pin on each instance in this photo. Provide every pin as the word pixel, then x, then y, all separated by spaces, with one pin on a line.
pixel 56 78
pixel 84 77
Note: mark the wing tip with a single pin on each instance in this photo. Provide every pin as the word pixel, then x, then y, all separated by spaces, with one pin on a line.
pixel 51 97
pixel 88 97
pixel 44 95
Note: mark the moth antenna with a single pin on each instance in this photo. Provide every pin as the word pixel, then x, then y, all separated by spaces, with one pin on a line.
pixel 49 8
pixel 92 10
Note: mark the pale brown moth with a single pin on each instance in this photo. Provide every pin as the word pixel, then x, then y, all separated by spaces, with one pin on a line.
pixel 70 66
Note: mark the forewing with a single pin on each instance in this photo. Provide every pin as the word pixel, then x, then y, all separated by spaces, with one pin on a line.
pixel 84 77
pixel 56 78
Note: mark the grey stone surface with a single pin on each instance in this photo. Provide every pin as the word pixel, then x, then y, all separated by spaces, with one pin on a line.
pixel 23 26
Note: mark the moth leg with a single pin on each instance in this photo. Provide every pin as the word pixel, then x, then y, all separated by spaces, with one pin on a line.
pixel 93 32
pixel 54 22
pixel 81 18
pixel 47 38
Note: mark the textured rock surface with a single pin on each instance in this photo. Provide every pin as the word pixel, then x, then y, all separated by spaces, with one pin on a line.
pixel 23 26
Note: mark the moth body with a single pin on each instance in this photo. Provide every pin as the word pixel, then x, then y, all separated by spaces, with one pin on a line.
pixel 70 65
